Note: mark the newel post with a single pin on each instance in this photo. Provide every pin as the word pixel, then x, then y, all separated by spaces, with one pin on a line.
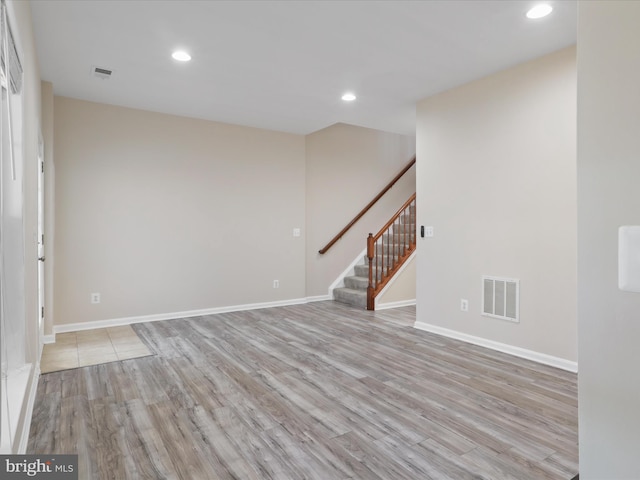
pixel 370 288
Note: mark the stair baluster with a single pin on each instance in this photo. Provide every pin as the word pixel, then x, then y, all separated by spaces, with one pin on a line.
pixel 392 245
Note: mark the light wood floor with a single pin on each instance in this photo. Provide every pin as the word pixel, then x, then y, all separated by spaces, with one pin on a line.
pixel 318 391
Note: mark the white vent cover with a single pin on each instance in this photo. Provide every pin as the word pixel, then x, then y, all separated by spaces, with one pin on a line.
pixel 501 298
pixel 101 72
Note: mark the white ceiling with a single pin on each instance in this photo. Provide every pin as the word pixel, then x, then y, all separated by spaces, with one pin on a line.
pixel 283 65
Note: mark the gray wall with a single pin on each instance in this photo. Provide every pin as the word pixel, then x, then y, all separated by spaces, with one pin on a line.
pixel 608 197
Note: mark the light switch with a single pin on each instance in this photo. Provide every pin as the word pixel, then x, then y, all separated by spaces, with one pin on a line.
pixel 629 258
pixel 296 232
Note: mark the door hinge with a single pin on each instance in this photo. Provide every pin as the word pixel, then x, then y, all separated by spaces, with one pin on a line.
pixel 42 312
pixel 42 167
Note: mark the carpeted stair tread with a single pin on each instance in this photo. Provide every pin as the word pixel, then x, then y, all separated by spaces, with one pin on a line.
pixel 350 296
pixel 357 282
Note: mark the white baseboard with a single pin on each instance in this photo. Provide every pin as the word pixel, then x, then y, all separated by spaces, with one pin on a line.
pixel 116 322
pixel 400 303
pixel 538 357
pixel 318 298
pixel 49 338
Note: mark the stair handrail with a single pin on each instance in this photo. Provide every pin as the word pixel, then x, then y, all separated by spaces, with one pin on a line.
pixel 409 242
pixel 326 248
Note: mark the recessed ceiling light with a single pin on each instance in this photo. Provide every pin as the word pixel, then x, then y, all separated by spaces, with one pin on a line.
pixel 539 11
pixel 181 56
pixel 348 97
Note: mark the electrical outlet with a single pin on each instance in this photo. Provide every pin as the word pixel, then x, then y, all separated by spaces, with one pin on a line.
pixel 276 284
pixel 296 232
pixel 464 305
pixel 428 232
pixel 95 298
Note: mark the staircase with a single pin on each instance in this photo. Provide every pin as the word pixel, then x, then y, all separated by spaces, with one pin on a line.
pixel 354 292
pixel 387 251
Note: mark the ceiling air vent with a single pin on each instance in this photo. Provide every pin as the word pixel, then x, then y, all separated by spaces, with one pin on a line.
pixel 101 72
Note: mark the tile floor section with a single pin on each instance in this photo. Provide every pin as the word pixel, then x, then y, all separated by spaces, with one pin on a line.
pixel 92 347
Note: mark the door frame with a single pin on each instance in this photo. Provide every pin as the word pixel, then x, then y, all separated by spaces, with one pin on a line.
pixel 41 239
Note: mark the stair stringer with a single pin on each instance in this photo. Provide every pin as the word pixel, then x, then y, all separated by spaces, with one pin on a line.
pixel 348 272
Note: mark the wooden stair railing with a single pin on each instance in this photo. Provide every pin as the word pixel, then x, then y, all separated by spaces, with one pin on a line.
pixel 324 250
pixel 388 249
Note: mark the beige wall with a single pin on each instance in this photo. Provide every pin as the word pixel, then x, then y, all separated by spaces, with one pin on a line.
pixel 347 166
pixel 163 214
pixel 608 197
pixel 496 179
pixel 401 289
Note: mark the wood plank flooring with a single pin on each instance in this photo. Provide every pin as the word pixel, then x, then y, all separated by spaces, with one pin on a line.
pixel 319 391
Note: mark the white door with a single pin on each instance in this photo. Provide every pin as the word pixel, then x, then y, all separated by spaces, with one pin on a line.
pixel 15 370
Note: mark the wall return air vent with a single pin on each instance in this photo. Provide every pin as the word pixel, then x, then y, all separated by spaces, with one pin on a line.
pixel 501 298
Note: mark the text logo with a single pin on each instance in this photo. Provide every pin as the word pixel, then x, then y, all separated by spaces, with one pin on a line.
pixel 49 467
